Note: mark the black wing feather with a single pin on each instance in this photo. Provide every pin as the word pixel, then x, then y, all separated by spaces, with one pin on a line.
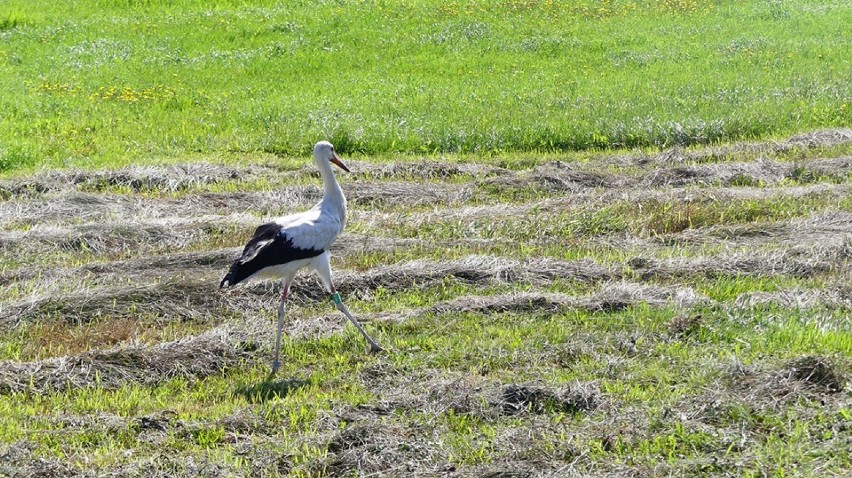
pixel 268 247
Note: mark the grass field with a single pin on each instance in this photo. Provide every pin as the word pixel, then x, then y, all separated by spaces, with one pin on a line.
pixel 602 238
pixel 675 313
pixel 101 83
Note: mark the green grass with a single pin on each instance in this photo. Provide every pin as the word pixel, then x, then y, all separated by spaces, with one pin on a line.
pixel 661 377
pixel 696 389
pixel 101 83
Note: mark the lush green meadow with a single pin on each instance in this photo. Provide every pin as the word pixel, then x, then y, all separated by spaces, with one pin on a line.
pixel 114 82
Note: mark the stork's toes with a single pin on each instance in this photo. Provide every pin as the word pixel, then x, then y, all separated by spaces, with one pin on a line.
pixel 374 349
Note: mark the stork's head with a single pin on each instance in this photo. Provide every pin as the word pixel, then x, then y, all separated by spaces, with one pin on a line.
pixel 324 152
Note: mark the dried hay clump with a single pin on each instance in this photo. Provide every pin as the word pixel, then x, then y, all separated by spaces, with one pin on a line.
pixel 729 174
pixel 71 207
pixel 812 377
pixel 683 326
pixel 100 238
pixel 610 297
pixel 386 448
pixel 799 261
pixel 426 390
pixel 823 138
pixel 615 296
pixel 816 373
pixel 17 460
pixel 826 137
pixel 578 397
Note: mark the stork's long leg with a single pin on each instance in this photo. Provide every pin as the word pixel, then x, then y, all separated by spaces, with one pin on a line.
pixel 281 307
pixel 335 297
pixel 323 268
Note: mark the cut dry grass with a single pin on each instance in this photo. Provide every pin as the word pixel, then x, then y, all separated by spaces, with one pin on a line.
pixel 541 316
pixel 212 352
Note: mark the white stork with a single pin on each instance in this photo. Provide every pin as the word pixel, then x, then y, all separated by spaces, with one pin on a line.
pixel 280 248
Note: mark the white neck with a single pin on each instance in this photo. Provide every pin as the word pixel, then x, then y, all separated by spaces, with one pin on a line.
pixel 333 200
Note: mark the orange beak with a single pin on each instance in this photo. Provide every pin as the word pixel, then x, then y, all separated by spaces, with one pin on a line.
pixel 339 163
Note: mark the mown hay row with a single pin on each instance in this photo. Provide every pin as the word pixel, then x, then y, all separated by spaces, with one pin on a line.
pixel 170 178
pixel 194 357
pixel 195 301
pixel 76 207
pixel 610 296
pixel 176 298
pixel 215 350
pixel 830 226
pixel 801 261
pixel 677 155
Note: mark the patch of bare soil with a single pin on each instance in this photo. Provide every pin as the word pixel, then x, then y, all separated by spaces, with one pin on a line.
pixel 194 357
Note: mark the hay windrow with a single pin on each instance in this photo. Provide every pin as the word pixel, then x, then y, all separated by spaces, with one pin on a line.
pixel 136 178
pixel 475 270
pixel 410 194
pixel 195 357
pixel 835 298
pixel 90 260
pixel 422 169
pixel 481 270
pixel 678 155
pixel 609 296
pixel 831 226
pixel 186 301
pixel 801 261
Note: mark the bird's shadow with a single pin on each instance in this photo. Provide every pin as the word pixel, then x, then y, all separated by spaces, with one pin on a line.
pixel 269 389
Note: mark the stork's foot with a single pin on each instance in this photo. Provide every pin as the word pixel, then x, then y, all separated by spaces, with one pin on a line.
pixel 375 348
pixel 275 366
